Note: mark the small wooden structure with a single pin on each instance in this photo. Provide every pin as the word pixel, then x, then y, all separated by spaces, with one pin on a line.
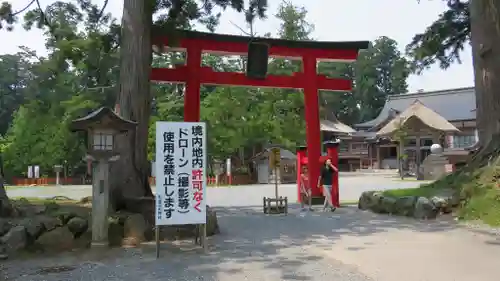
pixel 417 120
pixel 286 172
pixel 101 126
pixel 278 204
pixel 275 205
pixel 58 169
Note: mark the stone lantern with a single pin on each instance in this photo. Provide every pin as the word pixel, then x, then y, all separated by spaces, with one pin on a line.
pixel 58 169
pixel 102 126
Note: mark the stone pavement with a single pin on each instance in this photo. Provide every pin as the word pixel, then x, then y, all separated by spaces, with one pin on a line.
pixel 346 245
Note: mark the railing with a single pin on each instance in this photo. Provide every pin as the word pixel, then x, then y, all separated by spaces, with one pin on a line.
pixel 47 181
pixel 223 180
pixel 354 152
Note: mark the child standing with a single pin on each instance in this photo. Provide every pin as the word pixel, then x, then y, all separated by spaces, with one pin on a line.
pixel 305 189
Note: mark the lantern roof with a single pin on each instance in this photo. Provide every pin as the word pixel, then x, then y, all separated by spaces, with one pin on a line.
pixel 103 118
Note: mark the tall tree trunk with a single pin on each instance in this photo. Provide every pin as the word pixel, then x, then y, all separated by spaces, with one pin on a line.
pixel 5 206
pixel 130 173
pixel 485 40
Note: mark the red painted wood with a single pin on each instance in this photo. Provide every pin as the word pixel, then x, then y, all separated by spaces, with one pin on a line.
pixel 333 154
pixel 210 77
pixel 241 48
pixel 192 76
pixel 313 133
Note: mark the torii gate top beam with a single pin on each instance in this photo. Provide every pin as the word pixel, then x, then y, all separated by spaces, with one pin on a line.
pixel 238 45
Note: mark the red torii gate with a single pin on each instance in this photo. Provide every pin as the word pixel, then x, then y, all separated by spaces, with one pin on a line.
pixel 310 52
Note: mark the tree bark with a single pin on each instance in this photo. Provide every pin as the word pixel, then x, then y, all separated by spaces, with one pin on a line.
pixel 5 206
pixel 485 41
pixel 130 174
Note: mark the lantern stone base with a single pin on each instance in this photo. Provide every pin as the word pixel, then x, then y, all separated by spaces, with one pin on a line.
pixel 434 166
pixel 100 202
pixel 275 205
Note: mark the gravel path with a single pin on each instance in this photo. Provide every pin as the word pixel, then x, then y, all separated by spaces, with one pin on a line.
pixel 346 245
pixel 251 247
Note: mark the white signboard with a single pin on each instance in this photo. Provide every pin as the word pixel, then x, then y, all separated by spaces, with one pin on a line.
pixel 180 173
pixel 30 172
pixel 228 167
pixel 37 171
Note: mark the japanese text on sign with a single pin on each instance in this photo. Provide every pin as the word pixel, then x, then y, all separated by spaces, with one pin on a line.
pixel 180 173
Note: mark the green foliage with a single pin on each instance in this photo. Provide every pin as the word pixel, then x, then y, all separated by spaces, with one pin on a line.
pixel 7 16
pixel 380 71
pixel 422 191
pixel 43 94
pixel 443 40
pixel 478 183
pixel 14 76
pixel 80 74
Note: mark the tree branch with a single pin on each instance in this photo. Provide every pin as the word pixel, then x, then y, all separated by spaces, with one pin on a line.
pixel 102 9
pixel 42 14
pixel 23 9
pixel 241 29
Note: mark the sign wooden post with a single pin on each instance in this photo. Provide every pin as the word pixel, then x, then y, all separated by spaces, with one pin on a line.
pixel 275 165
pixel 58 169
pixel 281 204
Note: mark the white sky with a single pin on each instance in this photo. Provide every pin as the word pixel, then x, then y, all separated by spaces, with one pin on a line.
pixel 334 20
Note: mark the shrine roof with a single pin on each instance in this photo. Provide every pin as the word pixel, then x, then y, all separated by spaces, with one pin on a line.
pixel 417 111
pixel 453 104
pixel 284 154
pixel 335 127
pixel 341 45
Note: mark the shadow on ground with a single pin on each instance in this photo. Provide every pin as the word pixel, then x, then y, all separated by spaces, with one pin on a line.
pixel 251 246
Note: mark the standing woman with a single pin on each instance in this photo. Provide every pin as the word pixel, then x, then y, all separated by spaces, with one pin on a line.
pixel 326 179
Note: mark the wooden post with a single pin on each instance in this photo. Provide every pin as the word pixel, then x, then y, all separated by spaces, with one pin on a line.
pixel 204 239
pixel 370 155
pixel 100 204
pixel 379 165
pixel 157 238
pixel 417 156
pixel 400 153
pixel 276 182
pixel 57 178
